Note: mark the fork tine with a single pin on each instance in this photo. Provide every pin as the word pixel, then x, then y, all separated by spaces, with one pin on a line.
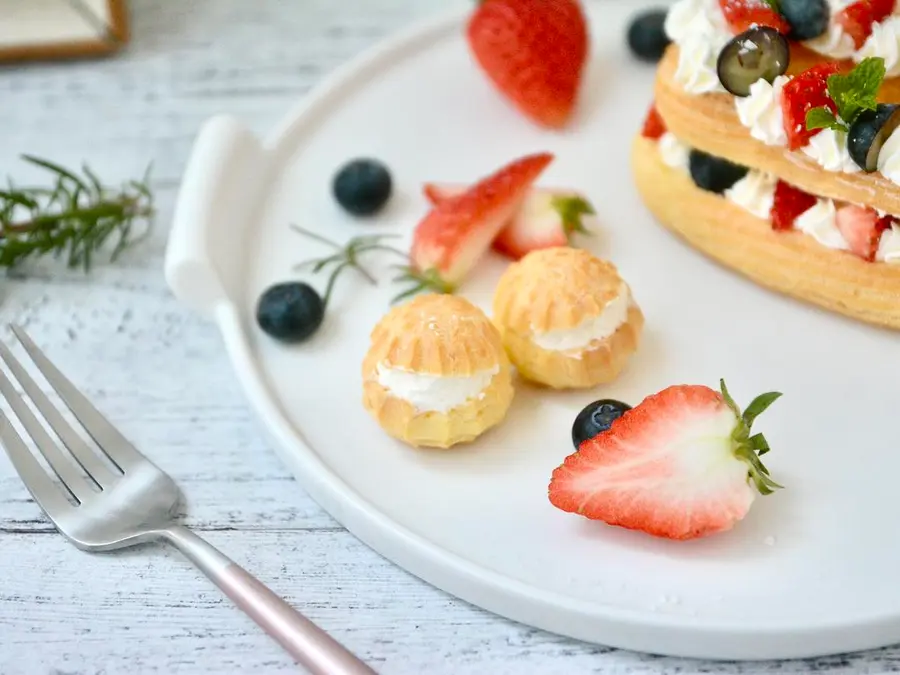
pixel 80 450
pixel 118 448
pixel 63 468
pixel 47 495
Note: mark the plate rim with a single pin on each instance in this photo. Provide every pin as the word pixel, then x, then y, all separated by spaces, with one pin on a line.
pixel 639 630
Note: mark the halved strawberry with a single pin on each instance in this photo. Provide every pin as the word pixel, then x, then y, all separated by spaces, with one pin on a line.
pixel 857 19
pixel 545 219
pixel 654 127
pixel 743 15
pixel 788 205
pixel 455 235
pixel 682 464
pixel 862 228
pixel 807 90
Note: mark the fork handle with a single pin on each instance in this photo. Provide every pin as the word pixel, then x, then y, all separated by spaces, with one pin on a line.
pixel 312 647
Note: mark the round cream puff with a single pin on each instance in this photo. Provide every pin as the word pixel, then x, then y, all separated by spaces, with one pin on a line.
pixel 567 318
pixel 436 374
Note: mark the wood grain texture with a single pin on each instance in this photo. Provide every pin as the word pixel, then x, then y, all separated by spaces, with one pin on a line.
pixel 160 372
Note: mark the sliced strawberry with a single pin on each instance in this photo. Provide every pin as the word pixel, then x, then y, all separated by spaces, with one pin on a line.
pixel 534 52
pixel 743 15
pixel 807 90
pixel 858 19
pixel 654 127
pixel 457 233
pixel 436 193
pixel 682 464
pixel 546 218
pixel 788 205
pixel 862 228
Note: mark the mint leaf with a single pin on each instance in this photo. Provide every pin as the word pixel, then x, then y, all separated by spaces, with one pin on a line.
pixel 823 118
pixel 857 91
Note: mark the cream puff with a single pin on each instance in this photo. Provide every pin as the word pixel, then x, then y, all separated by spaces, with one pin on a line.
pixel 567 318
pixel 436 374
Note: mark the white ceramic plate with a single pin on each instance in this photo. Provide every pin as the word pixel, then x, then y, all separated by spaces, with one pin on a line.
pixel 812 570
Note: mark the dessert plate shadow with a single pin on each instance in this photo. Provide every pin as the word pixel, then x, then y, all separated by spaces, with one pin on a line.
pixel 811 571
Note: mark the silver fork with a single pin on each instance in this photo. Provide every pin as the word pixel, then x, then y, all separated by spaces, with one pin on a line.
pixel 132 502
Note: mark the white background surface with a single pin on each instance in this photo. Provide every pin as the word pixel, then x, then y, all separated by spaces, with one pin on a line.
pixel 159 371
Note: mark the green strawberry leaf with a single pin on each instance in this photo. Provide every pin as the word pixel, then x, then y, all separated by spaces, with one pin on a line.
pixel 750 448
pixel 823 118
pixel 759 443
pixel 571 210
pixel 857 91
pixel 773 4
pixel 758 406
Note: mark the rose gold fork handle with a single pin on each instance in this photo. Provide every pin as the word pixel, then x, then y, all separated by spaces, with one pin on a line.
pixel 312 647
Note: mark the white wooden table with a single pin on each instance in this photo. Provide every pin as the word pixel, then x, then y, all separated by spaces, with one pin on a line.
pixel 161 374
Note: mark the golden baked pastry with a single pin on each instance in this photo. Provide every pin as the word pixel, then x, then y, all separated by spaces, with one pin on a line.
pixel 436 374
pixel 790 262
pixel 567 318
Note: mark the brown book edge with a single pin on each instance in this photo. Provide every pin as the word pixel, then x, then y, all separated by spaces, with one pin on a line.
pixel 119 36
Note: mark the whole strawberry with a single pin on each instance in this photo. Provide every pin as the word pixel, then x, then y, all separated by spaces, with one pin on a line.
pixel 534 51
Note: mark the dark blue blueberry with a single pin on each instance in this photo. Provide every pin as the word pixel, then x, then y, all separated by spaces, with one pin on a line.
pixel 290 311
pixel 596 418
pixel 760 53
pixel 808 18
pixel 647 35
pixel 869 133
pixel 363 187
pixel 714 174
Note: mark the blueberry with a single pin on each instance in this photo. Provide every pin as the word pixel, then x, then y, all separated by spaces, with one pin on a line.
pixel 759 53
pixel 290 311
pixel 363 187
pixel 714 174
pixel 647 35
pixel 808 18
pixel 596 418
pixel 869 133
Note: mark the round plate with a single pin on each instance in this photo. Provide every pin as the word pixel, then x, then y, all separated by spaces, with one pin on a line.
pixel 811 570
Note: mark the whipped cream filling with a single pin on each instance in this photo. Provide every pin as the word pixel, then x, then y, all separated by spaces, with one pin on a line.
pixel 889 158
pixel 755 193
pixel 674 153
pixel 699 29
pixel 434 393
pixel 760 111
pixel 889 246
pixel 575 341
pixel 820 223
pixel 828 149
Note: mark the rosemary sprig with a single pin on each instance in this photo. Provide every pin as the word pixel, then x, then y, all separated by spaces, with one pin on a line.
pixel 429 280
pixel 346 256
pixel 74 217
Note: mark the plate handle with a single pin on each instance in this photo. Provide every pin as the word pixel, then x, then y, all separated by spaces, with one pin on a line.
pixel 216 203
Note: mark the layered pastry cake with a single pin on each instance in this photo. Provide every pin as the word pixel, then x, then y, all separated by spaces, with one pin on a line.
pixel 773 146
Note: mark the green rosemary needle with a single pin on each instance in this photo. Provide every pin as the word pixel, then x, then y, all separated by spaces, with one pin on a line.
pixel 75 217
